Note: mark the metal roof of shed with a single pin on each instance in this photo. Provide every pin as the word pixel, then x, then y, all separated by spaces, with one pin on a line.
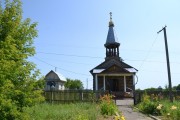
pixel 59 75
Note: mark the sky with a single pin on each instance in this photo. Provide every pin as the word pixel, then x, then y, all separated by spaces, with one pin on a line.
pixel 72 34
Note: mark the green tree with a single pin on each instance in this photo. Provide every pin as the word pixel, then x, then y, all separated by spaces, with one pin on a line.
pixel 178 87
pixel 73 84
pixel 40 84
pixel 17 74
pixel 151 89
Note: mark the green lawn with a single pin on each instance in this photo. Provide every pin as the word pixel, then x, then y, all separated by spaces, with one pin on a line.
pixel 77 111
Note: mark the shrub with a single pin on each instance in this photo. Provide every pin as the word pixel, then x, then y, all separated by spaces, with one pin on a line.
pixel 169 110
pixel 107 105
pixel 147 106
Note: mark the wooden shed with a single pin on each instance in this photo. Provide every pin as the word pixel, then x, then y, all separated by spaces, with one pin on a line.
pixel 54 81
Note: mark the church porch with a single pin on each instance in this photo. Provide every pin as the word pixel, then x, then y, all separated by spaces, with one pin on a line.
pixel 120 85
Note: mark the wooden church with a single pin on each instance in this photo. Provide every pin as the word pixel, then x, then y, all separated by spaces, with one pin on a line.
pixel 113 74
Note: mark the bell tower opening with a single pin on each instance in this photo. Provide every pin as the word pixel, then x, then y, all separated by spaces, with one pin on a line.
pixel 111 45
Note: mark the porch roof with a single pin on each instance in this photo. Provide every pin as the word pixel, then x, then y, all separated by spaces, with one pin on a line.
pixel 108 63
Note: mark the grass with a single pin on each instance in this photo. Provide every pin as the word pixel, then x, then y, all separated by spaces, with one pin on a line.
pixel 160 107
pixel 170 111
pixel 77 111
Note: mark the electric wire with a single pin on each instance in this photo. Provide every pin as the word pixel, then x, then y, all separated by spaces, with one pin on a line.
pixel 148 53
pixel 90 75
pixel 69 55
pixel 60 67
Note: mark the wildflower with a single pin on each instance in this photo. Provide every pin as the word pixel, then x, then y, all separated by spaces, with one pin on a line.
pixel 168 114
pixel 159 107
pixel 173 107
pixel 122 118
pixel 117 117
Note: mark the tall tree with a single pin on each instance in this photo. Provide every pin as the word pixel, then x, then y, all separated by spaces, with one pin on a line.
pixel 17 74
pixel 176 87
pixel 73 84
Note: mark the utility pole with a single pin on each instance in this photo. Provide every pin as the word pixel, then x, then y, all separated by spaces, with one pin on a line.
pixel 87 84
pixel 168 64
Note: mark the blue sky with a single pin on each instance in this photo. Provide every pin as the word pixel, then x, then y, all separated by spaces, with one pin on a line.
pixel 71 36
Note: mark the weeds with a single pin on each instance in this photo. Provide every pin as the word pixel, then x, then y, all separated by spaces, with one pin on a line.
pixel 78 111
pixel 152 105
pixel 108 107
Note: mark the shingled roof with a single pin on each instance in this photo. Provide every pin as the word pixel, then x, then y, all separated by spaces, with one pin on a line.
pixel 108 63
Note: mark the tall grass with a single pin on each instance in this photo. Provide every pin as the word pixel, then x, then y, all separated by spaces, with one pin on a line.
pixel 77 111
pixel 171 111
pixel 161 107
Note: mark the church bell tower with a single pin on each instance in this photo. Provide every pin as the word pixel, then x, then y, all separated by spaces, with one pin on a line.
pixel 111 45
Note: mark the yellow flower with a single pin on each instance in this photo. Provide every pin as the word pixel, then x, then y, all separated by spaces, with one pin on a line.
pixel 116 117
pixel 122 118
pixel 173 107
pixel 168 114
pixel 119 118
pixel 159 107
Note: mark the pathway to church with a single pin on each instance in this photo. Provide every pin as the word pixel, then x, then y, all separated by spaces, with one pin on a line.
pixel 128 112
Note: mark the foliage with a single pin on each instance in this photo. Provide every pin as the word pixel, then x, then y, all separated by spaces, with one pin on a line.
pixel 171 111
pixel 92 96
pixel 40 84
pixel 151 89
pixel 73 84
pixel 78 111
pixel 107 105
pixel 17 74
pixel 150 105
pixel 176 87
pixel 147 106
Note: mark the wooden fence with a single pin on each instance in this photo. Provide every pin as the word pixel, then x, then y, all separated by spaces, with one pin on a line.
pixel 67 96
pixel 159 94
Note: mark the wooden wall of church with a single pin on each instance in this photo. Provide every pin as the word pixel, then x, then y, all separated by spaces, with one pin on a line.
pixel 129 83
pixel 100 83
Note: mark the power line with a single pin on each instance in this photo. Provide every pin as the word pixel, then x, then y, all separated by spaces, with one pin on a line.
pixel 86 74
pixel 69 55
pixel 136 60
pixel 147 55
pixel 144 60
pixel 64 61
pixel 74 55
pixel 153 61
pixel 155 71
pixel 137 50
pixel 60 67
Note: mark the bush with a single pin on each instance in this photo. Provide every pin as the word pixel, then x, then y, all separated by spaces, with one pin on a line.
pixel 107 105
pixel 147 106
pixel 170 111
